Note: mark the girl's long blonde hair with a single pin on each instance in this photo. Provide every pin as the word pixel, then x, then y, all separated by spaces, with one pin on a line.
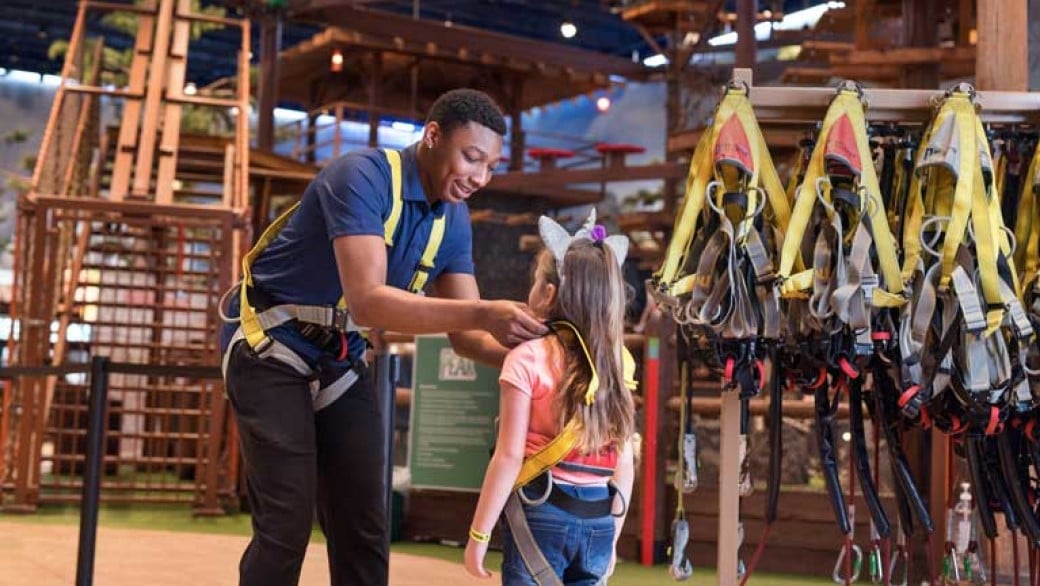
pixel 591 295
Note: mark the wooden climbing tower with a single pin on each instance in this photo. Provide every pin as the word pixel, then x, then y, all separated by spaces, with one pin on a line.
pixel 127 239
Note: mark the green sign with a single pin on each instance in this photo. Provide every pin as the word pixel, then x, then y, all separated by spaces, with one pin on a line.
pixel 454 405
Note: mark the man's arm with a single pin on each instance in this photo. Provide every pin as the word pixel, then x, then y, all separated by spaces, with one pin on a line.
pixel 478 345
pixel 361 261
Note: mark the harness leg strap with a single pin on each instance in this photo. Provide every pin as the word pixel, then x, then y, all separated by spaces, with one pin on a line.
pixel 532 555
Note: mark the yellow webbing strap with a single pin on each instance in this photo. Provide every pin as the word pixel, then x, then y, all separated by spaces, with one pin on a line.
pixel 396 203
pixel 557 449
pixel 251 327
pixel 422 272
pixel 1027 233
pixel 846 103
pixel 703 170
pixel 961 195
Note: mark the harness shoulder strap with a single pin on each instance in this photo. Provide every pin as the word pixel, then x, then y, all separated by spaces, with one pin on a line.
pixel 556 450
pixel 422 272
pixel 396 203
pixel 251 327
pixel 433 244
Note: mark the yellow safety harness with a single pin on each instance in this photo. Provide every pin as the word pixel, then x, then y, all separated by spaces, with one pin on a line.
pixel 556 450
pixel 674 279
pixel 966 291
pixel 542 461
pixel 255 326
pixel 846 110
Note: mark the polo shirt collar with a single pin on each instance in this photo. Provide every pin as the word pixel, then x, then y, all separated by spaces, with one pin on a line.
pixel 412 188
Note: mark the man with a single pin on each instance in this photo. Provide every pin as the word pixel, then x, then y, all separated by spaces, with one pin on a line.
pixel 370 231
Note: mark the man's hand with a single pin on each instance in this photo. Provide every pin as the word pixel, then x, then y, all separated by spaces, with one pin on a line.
pixel 475 553
pixel 512 323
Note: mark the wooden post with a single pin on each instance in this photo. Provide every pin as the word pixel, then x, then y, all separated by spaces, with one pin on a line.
pixel 270 47
pixel 729 454
pixel 130 122
pixel 920 21
pixel 373 99
pixel 747 11
pixel 863 20
pixel 516 130
pixel 171 126
pixel 1002 53
pixel 659 382
pixel 153 100
pixel 965 22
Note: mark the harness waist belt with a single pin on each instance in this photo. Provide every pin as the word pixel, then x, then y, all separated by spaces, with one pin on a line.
pixel 573 505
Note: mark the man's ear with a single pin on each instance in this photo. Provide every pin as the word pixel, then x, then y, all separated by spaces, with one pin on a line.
pixel 432 134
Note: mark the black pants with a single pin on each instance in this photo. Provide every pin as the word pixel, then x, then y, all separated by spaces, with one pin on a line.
pixel 297 460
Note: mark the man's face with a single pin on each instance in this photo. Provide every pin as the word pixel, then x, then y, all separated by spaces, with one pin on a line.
pixel 462 161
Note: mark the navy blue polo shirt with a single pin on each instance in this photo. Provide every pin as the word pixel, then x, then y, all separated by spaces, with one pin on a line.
pixel 352 196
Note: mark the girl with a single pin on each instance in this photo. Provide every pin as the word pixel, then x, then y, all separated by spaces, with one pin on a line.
pixel 566 401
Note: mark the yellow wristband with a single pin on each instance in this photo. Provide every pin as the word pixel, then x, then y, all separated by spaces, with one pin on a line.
pixel 478 536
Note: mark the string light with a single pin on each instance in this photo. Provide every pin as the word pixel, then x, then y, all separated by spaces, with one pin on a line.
pixel 568 29
pixel 336 62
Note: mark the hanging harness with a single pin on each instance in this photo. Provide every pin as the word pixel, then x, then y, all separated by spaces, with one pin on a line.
pixel 536 473
pixel 717 279
pixel 839 310
pixel 326 325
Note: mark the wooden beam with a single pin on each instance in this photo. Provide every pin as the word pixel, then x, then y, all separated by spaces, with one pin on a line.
pixel 559 177
pixel 555 196
pixel 803 104
pixel 904 56
pixel 777 136
pixel 346 14
pixel 1002 60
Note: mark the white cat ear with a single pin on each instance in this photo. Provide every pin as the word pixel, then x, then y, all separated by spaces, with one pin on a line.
pixel 618 244
pixel 555 237
pixel 586 228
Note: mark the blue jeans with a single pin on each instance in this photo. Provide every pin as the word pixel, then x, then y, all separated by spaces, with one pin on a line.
pixel 579 550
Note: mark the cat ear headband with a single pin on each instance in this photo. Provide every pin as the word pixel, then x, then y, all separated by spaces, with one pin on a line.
pixel 557 240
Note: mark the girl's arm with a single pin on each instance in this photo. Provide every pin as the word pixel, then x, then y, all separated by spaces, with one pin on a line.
pixel 514 414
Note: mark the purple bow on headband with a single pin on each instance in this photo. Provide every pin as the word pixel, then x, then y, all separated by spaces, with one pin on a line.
pixel 598 233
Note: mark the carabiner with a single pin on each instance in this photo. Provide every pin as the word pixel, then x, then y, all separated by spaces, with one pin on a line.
pixel 875 564
pixel 900 554
pixel 681 568
pixel 857 565
pixel 952 566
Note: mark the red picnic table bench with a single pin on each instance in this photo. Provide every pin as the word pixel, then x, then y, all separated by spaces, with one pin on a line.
pixel 614 153
pixel 547 157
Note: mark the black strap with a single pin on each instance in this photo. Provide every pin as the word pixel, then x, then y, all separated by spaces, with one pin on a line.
pixel 579 508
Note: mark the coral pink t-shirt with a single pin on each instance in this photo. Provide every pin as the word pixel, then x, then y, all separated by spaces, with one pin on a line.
pixel 535 368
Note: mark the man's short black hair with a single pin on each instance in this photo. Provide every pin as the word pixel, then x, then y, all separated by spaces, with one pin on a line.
pixel 458 107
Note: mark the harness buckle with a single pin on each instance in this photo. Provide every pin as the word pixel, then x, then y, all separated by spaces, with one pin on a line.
pixel 340 320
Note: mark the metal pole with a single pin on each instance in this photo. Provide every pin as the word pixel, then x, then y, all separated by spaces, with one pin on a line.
pixel 92 471
pixel 387 374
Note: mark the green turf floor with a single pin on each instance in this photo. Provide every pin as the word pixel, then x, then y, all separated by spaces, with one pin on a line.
pixel 176 518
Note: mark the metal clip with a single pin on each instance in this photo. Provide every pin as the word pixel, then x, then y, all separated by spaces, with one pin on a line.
pixel 680 568
pixel 857 565
pixel 341 320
